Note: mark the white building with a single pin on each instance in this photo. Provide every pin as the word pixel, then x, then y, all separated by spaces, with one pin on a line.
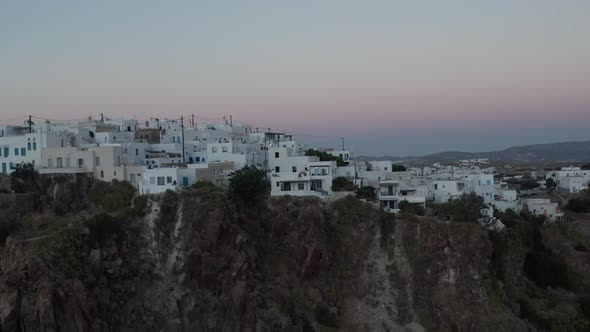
pixel 26 148
pixel 542 207
pixel 572 179
pixel 392 192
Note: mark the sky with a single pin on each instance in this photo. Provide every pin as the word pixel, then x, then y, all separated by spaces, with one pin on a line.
pixel 392 77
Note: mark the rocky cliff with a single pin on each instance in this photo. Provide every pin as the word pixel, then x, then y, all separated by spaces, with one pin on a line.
pixel 195 261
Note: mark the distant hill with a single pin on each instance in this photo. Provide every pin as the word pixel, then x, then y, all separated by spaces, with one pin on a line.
pixel 565 152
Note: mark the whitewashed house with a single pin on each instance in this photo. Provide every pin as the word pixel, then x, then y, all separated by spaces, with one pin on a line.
pixel 542 207
pixel 392 192
pixel 572 179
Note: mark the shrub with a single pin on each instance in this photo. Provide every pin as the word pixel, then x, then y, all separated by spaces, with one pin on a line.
pixel 408 207
pixel 24 178
pixel 248 184
pixel 140 204
pixel 326 317
pixel 466 208
pixel 338 183
pixel 67 251
pixel 398 168
pixel 112 196
pixel 7 227
pixel 366 192
pixel 325 156
pixel 102 227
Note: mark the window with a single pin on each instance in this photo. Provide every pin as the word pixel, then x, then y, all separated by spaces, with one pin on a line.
pixel 60 162
pixel 29 146
pixel 11 166
pixel 277 169
pixel 16 151
pixel 152 180
pixel 34 146
pixel 6 150
pixel 168 179
pixel 225 149
pixel 80 162
pixel 114 173
pixel 301 186
pixel 276 154
pixel 489 182
pixel 50 162
pixel 214 149
pixel 294 169
pixel 436 187
pixel 23 152
pixel 68 162
pixel 97 161
pixel 161 181
pixel 101 174
pixel 137 152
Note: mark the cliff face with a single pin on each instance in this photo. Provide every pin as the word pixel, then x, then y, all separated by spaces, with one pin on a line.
pixel 194 261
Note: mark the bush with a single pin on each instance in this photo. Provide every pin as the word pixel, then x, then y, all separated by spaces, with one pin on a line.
pixel 580 204
pixel 408 207
pixel 248 184
pixel 24 178
pixel 102 227
pixel 366 192
pixel 7 227
pixel 509 218
pixel 325 156
pixel 140 204
pixel 338 183
pixel 67 251
pixel 398 168
pixel 112 196
pixel 466 208
pixel 326 317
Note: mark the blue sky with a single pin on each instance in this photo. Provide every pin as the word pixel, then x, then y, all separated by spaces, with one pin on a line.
pixel 393 77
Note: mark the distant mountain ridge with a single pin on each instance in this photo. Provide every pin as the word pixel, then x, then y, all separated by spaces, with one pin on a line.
pixel 566 152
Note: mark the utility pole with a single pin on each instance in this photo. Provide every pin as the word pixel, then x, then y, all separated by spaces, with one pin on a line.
pixel 30 123
pixel 182 130
pixel 342 143
pixel 231 123
pixel 101 117
pixel 193 120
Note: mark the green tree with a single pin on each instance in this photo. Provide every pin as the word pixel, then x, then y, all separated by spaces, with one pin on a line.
pixel 24 178
pixel 408 207
pixel 398 168
pixel 248 184
pixel 366 192
pixel 325 156
pixel 112 196
pixel 551 184
pixel 340 183
pixel 466 208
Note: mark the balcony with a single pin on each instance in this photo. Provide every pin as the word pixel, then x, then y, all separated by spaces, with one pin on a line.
pixel 64 170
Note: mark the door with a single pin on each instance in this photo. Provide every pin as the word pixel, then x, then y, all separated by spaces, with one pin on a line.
pixel 185 181
pixel 4 168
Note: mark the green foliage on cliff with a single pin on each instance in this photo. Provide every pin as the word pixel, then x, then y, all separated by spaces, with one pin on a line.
pixel 102 227
pixel 24 178
pixel 463 209
pixel 366 192
pixel 581 203
pixel 66 251
pixel 112 196
pixel 248 184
